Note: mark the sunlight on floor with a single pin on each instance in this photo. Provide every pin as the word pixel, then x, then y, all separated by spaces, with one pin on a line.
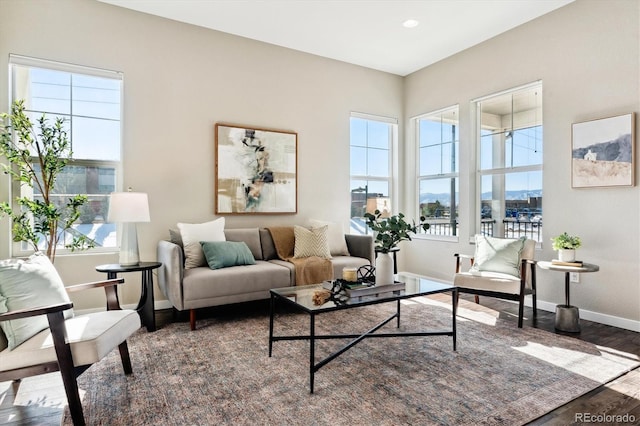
pixel 600 365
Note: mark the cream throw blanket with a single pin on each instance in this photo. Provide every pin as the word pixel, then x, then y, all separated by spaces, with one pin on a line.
pixel 309 270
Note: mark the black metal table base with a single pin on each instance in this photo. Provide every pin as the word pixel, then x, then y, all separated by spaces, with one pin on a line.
pixel 357 338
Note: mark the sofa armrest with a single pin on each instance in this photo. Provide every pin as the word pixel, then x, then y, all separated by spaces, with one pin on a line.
pixel 360 246
pixel 171 273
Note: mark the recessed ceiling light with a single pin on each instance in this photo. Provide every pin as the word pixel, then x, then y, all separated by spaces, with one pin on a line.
pixel 410 23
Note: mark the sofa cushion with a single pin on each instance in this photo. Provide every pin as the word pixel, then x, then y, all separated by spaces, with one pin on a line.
pixel 201 286
pixel 24 284
pixel 250 236
pixel 335 236
pixel 311 242
pixel 193 233
pixel 222 254
pixel 500 255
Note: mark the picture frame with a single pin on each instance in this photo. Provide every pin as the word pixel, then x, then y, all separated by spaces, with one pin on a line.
pixel 603 152
pixel 256 170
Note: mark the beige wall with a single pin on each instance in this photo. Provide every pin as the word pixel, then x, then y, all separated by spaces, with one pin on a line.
pixel 181 79
pixel 178 81
pixel 587 56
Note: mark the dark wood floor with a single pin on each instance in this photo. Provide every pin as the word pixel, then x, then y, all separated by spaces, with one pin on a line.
pixel 40 400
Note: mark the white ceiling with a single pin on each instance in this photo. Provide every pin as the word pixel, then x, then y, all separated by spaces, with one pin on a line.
pixel 362 32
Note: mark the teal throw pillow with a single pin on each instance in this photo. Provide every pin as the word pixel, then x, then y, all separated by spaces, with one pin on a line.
pixel 221 254
pixel 498 255
pixel 25 284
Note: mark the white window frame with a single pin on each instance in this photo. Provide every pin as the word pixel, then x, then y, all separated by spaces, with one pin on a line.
pixel 392 176
pixel 416 129
pixel 18 248
pixel 475 103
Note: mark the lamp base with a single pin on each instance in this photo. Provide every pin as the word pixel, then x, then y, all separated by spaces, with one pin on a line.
pixel 129 255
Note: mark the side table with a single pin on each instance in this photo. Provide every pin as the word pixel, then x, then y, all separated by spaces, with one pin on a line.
pixel 145 306
pixel 567 316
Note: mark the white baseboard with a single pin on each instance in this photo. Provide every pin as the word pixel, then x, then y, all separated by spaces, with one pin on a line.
pixel 614 321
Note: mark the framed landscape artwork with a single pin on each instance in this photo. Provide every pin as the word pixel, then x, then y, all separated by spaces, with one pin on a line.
pixel 602 152
pixel 256 170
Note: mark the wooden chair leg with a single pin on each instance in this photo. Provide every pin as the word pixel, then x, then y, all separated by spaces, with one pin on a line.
pixel 65 364
pixel 126 359
pixel 477 298
pixel 521 312
pixel 192 319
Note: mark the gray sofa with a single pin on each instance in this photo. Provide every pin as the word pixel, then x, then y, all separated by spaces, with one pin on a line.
pixel 200 287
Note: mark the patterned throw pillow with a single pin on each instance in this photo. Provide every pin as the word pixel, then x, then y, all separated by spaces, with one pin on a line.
pixel 335 235
pixel 311 242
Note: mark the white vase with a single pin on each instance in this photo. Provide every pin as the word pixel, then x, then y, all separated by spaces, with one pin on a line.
pixel 384 269
pixel 566 255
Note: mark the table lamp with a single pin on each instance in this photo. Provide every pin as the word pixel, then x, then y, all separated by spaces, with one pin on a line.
pixel 128 208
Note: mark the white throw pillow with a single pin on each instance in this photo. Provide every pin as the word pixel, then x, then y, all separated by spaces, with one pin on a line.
pixel 193 233
pixel 498 255
pixel 311 242
pixel 335 235
pixel 25 284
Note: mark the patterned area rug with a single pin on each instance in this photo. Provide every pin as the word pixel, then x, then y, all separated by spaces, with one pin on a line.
pixel 221 373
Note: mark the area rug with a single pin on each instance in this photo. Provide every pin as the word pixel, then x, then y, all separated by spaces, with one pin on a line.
pixel 220 374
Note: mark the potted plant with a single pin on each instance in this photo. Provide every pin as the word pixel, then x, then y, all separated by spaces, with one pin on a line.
pixel 566 246
pixel 388 233
pixel 36 154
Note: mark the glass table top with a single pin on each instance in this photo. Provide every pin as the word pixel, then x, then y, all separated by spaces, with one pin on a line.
pixel 415 285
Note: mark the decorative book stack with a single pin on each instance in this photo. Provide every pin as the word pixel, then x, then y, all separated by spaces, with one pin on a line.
pixel 575 263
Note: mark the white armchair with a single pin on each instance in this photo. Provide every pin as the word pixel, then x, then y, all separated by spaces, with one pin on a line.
pixel 69 345
pixel 502 268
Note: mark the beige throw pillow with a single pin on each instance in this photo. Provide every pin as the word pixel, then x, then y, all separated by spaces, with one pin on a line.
pixel 193 233
pixel 335 235
pixel 311 242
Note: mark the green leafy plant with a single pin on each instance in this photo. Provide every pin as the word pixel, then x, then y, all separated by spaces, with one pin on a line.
pixel 390 231
pixel 566 241
pixel 36 154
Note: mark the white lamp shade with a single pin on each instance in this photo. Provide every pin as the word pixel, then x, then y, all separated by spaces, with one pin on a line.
pixel 128 207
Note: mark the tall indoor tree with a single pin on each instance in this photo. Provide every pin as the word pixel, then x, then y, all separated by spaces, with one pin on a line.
pixel 37 153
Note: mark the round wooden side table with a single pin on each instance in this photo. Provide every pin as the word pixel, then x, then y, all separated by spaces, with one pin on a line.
pixel 567 316
pixel 145 306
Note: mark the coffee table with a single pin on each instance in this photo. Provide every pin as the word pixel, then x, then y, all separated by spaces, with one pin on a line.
pixel 301 297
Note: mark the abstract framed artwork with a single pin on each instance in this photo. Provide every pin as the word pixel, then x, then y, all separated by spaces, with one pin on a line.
pixel 255 170
pixel 603 152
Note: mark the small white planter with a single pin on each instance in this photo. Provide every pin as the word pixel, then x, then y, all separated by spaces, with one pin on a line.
pixel 566 255
pixel 384 269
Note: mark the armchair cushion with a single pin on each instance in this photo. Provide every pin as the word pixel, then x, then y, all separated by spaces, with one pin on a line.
pixel 91 336
pixel 25 284
pixel 501 255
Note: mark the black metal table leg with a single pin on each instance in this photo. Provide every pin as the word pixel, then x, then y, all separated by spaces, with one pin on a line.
pixel 272 307
pixel 398 312
pixel 454 313
pixel 312 354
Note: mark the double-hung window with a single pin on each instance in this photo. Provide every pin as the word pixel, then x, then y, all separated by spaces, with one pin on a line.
pixel 89 101
pixel 438 146
pixel 371 146
pixel 510 162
